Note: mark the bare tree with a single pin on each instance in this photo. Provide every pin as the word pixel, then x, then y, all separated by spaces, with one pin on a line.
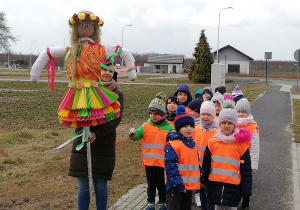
pixel 5 33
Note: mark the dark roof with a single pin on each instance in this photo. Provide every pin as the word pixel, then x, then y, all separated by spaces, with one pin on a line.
pixel 230 47
pixel 166 58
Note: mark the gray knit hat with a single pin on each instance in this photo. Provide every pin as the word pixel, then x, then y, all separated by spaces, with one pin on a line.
pixel 157 105
pixel 228 113
pixel 243 105
pixel 218 97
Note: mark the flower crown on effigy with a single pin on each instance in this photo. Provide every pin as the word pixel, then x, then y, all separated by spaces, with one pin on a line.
pixel 84 16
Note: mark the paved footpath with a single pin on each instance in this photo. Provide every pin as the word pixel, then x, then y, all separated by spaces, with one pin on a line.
pixel 276 183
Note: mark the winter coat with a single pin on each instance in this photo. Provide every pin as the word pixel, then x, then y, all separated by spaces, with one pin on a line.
pixel 250 124
pixel 225 194
pixel 174 179
pixel 102 149
pixel 186 89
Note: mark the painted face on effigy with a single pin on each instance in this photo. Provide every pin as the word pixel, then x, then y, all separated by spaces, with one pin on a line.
pixel 86 28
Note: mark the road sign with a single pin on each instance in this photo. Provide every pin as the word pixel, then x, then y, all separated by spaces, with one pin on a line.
pixel 297 55
pixel 268 55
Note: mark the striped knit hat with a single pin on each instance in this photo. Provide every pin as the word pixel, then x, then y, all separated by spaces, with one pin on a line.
pixel 182 118
pixel 157 105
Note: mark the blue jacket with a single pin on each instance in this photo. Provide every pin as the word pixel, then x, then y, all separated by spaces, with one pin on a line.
pixel 174 180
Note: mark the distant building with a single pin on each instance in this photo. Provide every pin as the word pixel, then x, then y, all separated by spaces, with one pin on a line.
pixel 163 63
pixel 235 60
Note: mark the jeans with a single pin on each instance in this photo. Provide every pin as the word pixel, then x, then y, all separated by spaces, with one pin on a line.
pixel 83 196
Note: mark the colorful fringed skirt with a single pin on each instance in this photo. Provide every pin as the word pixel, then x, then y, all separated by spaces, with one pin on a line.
pixel 88 103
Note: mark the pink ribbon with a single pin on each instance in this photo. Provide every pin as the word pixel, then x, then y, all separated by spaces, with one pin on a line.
pixel 122 72
pixel 50 64
pixel 119 142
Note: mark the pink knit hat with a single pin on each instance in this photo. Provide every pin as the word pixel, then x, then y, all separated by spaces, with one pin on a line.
pixel 208 107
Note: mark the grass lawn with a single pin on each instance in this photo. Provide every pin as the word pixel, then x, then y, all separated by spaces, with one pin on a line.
pixel 296 116
pixel 34 176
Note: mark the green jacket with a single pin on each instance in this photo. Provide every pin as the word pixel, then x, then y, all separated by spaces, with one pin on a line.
pixel 140 131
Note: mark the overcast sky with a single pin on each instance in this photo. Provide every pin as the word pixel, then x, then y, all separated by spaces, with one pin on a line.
pixel 163 26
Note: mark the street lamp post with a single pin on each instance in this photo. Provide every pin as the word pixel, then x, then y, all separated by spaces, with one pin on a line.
pixel 122 40
pixel 30 54
pixel 219 31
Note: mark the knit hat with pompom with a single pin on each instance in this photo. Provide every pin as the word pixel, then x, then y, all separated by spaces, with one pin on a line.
pixel 158 104
pixel 182 118
pixel 228 113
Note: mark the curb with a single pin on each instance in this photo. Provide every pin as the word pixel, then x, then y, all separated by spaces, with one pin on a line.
pixel 295 149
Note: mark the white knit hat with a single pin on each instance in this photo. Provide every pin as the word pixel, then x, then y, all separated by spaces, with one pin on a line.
pixel 208 107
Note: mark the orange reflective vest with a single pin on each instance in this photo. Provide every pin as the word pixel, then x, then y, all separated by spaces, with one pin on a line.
pixel 225 161
pixel 172 123
pixel 201 138
pixel 153 143
pixel 188 165
pixel 187 109
pixel 250 127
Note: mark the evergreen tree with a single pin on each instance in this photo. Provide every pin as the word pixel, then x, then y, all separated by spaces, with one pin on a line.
pixel 200 70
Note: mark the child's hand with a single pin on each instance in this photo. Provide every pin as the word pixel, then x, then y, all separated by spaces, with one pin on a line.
pixel 132 131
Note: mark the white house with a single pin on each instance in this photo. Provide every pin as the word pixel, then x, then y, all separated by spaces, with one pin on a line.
pixel 235 60
pixel 165 63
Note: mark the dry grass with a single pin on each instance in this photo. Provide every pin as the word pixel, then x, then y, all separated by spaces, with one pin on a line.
pixel 33 175
pixel 296 116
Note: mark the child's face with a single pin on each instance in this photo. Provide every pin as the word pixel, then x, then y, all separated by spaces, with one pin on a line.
pixel 227 127
pixel 206 96
pixel 242 114
pixel 155 117
pixel 107 75
pixel 86 28
pixel 206 118
pixel 218 107
pixel 172 106
pixel 194 114
pixel 187 131
pixel 182 97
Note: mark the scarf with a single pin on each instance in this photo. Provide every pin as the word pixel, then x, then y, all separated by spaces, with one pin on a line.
pixel 208 127
pixel 163 120
pixel 112 84
pixel 246 121
pixel 221 137
pixel 170 116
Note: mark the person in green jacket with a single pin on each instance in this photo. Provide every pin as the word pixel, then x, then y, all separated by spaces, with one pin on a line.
pixel 153 135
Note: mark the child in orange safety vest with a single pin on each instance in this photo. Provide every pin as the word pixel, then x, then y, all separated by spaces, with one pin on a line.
pixel 227 163
pixel 245 120
pixel 202 133
pixel 181 162
pixel 153 134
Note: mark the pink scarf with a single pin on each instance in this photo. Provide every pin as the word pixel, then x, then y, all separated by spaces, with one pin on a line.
pixel 220 136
